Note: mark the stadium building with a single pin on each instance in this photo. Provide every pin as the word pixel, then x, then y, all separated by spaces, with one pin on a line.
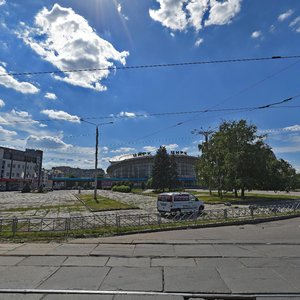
pixel 138 167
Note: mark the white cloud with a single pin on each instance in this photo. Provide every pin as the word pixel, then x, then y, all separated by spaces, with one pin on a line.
pixel 285 15
pixel 66 40
pixel 2 103
pixel 10 82
pixel 51 96
pixel 119 8
pixel 170 14
pixel 6 132
pixel 182 14
pixel 199 42
pixel 60 115
pixel 42 142
pixel 222 13
pixel 150 148
pixel 122 150
pixel 296 24
pixel 127 114
pixel 171 147
pixel 2 2
pixel 256 34
pixel 292 128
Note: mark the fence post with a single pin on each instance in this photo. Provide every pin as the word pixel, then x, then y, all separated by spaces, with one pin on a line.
pixel 67 227
pixel 225 213
pixel 159 219
pixel 118 222
pixel 252 211
pixel 14 226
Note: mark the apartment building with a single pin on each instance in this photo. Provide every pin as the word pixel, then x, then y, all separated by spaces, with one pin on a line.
pixel 18 167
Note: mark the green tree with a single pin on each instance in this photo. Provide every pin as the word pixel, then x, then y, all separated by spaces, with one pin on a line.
pixel 161 170
pixel 173 176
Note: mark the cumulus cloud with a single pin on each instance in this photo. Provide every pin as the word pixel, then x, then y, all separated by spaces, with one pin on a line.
pixel 2 103
pixel 60 115
pixel 66 40
pixel 122 150
pixel 10 82
pixel 256 34
pixel 50 96
pixel 182 14
pixel 171 147
pixel 127 114
pixel 150 148
pixel 198 42
pixel 2 2
pixel 5 132
pixel 285 15
pixel 295 24
pixel 42 142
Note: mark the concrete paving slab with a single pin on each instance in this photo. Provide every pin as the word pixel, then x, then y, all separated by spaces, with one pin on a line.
pixel 238 251
pixel 10 260
pixel 20 297
pixel 23 277
pixel 292 275
pixel 115 249
pixel 43 261
pixel 193 280
pixel 255 280
pixel 79 278
pixel 133 279
pixel 153 250
pixel 195 251
pixel 173 262
pixel 280 250
pixel 140 262
pixel 78 297
pixel 33 249
pixel 72 249
pixel 268 262
pixel 213 262
pixel 86 261
pixel 137 297
pixel 8 247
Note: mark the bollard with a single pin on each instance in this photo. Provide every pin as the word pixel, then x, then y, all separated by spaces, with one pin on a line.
pixel 252 212
pixel 225 213
pixel 159 219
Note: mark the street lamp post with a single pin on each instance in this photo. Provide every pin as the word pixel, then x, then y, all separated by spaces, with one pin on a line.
pixel 96 152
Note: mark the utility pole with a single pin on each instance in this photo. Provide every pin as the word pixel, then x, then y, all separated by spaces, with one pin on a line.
pixel 206 133
pixel 96 153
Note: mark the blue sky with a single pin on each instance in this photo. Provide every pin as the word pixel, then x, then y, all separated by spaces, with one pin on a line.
pixel 60 35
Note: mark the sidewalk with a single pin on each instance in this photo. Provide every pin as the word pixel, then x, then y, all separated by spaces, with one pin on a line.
pixel 234 259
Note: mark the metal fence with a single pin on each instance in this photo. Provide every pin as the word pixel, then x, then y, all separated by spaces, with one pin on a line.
pixel 119 221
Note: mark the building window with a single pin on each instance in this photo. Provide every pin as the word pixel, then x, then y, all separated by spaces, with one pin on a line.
pixel 13 175
pixel 14 165
pixel 7 174
pixel 18 174
pixel 18 166
pixel 8 165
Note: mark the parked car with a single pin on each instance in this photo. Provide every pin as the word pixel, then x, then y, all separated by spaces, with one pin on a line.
pixel 178 203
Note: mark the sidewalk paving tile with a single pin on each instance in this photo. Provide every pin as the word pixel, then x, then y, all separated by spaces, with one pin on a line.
pixel 43 261
pixel 195 251
pixel 79 278
pixel 79 297
pixel 153 250
pixel 254 280
pixel 238 251
pixel 21 296
pixel 212 262
pixel 148 297
pixel 292 275
pixel 33 249
pixel 72 249
pixel 86 261
pixel 141 262
pixel 133 279
pixel 267 262
pixel 23 277
pixel 173 262
pixel 280 250
pixel 115 249
pixel 193 280
pixel 10 260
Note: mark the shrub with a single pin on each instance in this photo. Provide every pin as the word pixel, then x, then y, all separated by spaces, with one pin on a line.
pixel 41 189
pixel 26 188
pixel 121 188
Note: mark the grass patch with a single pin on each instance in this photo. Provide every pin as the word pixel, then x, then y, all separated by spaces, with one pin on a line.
pixel 104 203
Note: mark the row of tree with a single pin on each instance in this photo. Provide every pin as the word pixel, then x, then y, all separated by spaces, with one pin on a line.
pixel 237 158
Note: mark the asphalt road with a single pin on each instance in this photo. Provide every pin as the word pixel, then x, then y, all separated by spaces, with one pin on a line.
pixel 251 259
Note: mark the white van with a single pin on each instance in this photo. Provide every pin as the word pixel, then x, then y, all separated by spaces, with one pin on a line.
pixel 178 203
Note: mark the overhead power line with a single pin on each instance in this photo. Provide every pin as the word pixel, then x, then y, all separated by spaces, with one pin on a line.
pixel 149 66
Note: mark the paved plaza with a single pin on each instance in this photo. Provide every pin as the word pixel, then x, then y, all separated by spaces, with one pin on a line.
pixel 248 259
